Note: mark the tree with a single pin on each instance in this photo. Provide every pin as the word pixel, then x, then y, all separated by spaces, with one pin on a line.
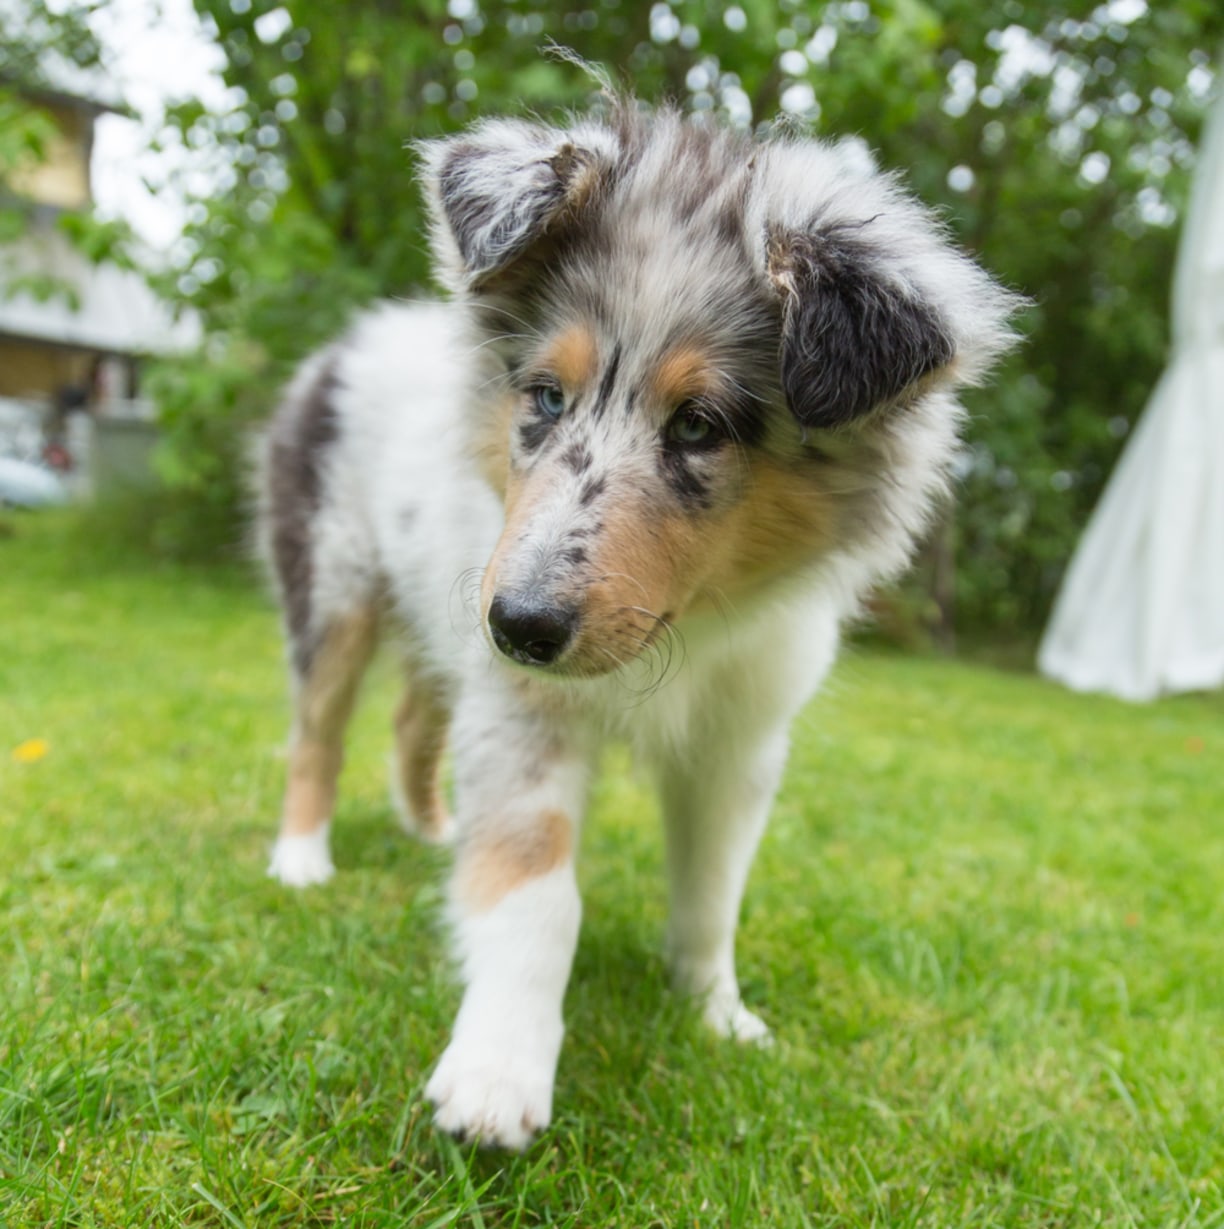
pixel 1058 145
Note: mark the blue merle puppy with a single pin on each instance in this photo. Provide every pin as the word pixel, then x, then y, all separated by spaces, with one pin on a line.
pixel 695 394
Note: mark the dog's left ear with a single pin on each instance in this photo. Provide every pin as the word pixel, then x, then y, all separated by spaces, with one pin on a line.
pixel 854 337
pixel 500 188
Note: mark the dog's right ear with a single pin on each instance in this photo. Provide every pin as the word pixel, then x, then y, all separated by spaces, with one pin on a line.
pixel 853 339
pixel 502 186
pixel 877 305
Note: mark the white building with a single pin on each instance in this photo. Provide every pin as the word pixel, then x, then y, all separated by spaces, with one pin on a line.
pixel 81 349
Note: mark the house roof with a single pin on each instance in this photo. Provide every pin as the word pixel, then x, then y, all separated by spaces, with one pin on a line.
pixel 61 80
pixel 115 311
pixel 97 101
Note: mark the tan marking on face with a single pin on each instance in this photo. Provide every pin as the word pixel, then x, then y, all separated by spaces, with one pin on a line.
pixel 784 519
pixel 521 497
pixel 652 559
pixel 673 563
pixel 647 564
pixel 490 443
pixel 682 374
pixel 573 356
pixel 495 862
pixel 647 560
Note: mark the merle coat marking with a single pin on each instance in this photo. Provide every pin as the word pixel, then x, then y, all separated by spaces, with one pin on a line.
pixel 694 396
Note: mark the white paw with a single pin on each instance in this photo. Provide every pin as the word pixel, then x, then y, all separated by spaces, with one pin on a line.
pixel 301 861
pixel 432 833
pixel 481 1092
pixel 731 1019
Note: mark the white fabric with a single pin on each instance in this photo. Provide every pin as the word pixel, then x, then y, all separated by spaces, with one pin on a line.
pixel 1141 610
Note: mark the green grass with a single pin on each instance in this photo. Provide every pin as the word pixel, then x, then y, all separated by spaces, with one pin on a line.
pixel 987 925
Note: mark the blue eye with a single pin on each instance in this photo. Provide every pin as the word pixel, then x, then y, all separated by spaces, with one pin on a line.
pixel 689 426
pixel 549 400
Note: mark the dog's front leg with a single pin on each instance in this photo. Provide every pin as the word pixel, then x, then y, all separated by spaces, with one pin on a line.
pixel 520 787
pixel 715 803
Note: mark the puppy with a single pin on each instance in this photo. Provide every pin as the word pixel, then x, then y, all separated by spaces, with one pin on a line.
pixel 695 394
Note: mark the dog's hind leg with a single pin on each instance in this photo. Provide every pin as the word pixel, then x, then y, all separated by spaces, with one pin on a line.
pixel 421 724
pixel 326 686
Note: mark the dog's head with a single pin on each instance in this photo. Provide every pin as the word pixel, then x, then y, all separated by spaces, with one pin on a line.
pixel 706 363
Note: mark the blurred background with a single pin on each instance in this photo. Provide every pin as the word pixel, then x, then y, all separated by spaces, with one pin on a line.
pixel 194 196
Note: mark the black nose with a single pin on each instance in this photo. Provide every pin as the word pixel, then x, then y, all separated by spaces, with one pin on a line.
pixel 532 635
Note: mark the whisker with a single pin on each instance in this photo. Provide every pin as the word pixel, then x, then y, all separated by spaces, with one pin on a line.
pixel 726 376
pixel 466 587
pixel 723 605
pixel 501 310
pixel 659 642
pixel 622 576
pixel 613 657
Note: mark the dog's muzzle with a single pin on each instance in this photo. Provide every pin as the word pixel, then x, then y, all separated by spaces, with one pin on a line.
pixel 530 634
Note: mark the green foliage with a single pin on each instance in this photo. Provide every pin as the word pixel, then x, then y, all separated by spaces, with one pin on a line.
pixel 99 240
pixel 35 35
pixel 38 44
pixel 1056 140
pixel 24 134
pixel 985 926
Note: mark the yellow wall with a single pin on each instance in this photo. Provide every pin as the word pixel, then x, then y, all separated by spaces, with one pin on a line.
pixel 62 178
pixel 37 371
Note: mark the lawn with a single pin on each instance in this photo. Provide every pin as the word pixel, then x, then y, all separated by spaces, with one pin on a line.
pixel 987 925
